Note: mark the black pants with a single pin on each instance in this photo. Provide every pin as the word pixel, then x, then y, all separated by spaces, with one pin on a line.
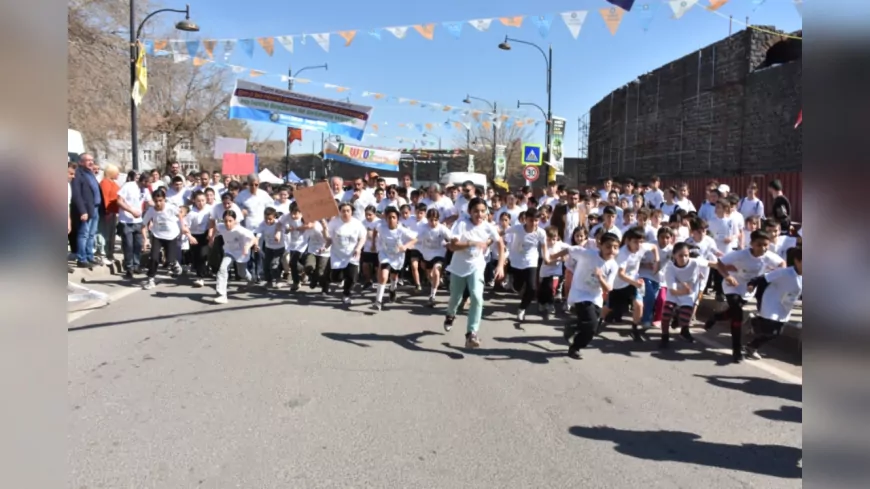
pixel 199 255
pixel 588 314
pixel 717 279
pixel 131 244
pixel 216 254
pixel 315 268
pixel 169 246
pixel 759 293
pixel 295 265
pixel 734 315
pixel 763 331
pixel 347 274
pixel 524 283
pixel 619 301
pixel 272 263
pixel 547 290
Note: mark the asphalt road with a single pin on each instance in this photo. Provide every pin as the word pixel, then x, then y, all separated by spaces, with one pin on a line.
pixel 169 391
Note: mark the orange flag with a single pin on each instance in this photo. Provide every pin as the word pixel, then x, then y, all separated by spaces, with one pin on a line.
pixel 715 4
pixel 447 108
pixel 375 127
pixel 256 73
pixel 341 89
pixel 197 61
pixel 426 30
pixel 412 102
pixel 160 44
pixel 486 125
pixel 512 21
pixel 379 96
pixel 208 46
pixel 268 44
pixel 612 17
pixel 347 36
pixel 429 126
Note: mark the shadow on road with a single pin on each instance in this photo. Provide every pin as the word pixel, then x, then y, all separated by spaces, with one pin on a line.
pixel 788 414
pixel 531 356
pixel 409 341
pixel 757 386
pixel 675 446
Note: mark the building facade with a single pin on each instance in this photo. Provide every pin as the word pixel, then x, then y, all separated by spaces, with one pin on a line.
pixel 151 155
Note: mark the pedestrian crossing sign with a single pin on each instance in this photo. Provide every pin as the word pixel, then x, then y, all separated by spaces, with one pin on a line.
pixel 531 154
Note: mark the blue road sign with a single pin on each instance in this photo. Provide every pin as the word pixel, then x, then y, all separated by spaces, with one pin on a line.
pixel 531 154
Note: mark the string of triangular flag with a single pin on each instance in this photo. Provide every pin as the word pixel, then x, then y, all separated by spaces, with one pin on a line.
pixel 479 116
pixel 574 21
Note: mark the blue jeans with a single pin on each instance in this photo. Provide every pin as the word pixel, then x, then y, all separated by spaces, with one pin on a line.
pixel 474 283
pixel 650 293
pixel 85 237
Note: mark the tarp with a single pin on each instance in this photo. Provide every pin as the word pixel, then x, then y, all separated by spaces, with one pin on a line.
pixel 293 178
pixel 377 159
pixel 269 177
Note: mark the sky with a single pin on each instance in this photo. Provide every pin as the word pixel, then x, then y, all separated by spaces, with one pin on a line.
pixel 445 69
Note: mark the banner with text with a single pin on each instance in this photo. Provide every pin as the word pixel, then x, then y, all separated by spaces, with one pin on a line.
pixel 557 150
pixel 378 159
pixel 262 103
pixel 500 162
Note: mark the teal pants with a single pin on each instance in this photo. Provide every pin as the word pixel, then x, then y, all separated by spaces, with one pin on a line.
pixel 474 283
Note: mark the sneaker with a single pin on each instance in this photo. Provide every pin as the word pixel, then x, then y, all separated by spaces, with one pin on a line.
pixel 128 274
pixel 345 300
pixel 647 325
pixel 752 354
pixel 708 324
pixel 521 315
pixel 392 296
pixel 270 285
pixel 574 353
pixel 663 344
pixel 568 333
pixel 491 283
pixel 448 322
pixel 635 335
pixel 545 313
pixel 378 306
pixel 737 358
pixel 418 288
pixel 150 284
pixel 221 299
pixel 199 283
pixel 85 264
pixel 471 340
pixel 600 327
pixel 294 287
pixel 431 302
pixel 367 286
pixel 686 335
pixel 566 307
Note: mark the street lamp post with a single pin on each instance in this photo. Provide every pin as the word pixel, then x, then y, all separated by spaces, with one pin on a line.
pixel 549 60
pixel 135 34
pixel 494 107
pixel 287 137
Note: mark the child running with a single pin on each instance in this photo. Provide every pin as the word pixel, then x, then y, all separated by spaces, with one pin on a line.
pixel 237 244
pixel 391 241
pixel 681 278
pixel 525 240
pixel 784 284
pixel 432 238
pixel 166 227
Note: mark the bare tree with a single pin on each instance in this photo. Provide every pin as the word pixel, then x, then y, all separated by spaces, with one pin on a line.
pixel 479 140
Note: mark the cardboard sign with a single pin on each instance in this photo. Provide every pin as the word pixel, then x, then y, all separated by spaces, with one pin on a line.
pixel 316 202
pixel 239 164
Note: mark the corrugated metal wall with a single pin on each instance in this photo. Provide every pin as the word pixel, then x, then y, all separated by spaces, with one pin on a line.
pixel 792 187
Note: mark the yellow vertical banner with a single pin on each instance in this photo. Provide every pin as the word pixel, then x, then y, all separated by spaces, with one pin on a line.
pixel 268 44
pixel 140 86
pixel 347 36
pixel 426 30
pixel 512 21
pixel 208 46
pixel 612 17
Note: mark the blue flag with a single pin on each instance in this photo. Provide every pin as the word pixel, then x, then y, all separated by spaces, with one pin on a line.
pixel 376 33
pixel 543 22
pixel 454 28
pixel 247 46
pixel 623 4
pixel 192 47
pixel 647 12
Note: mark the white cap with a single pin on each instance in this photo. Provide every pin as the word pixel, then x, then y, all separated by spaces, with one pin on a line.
pixel 724 188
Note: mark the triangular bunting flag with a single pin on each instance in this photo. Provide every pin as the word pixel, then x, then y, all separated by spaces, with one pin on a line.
pixel 716 4
pixel 481 24
pixel 199 61
pixel 322 40
pixel 247 46
pixel 268 44
pixel 375 127
pixel 799 5
pixel 302 38
pixel 149 47
pixel 379 96
pixel 647 12
pixel 399 32
pixel 178 57
pixel 287 42
pixel 192 47
pixel 512 21
pixel 612 17
pixel 454 28
pixel 543 22
pixel 574 21
pixel 429 126
pixel 447 108
pixel 175 47
pixel 680 7
pixel 426 30
pixel 160 45
pixel 237 69
pixel 413 102
pixel 256 73
pixel 347 36
pixel 208 46
pixel 376 33
pixel 229 46
pixel 623 4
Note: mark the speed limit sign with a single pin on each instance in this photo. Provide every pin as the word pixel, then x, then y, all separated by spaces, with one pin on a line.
pixel 531 173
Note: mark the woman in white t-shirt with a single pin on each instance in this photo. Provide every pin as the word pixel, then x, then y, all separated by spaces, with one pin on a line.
pixel 237 244
pixel 166 229
pixel 346 237
pixel 526 238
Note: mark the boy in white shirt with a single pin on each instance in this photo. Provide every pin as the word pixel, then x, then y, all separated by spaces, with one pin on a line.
pixel 551 272
pixel 237 245
pixel 751 205
pixel 628 287
pixel 680 280
pixel 652 276
pixel 272 233
pixel 295 243
pixel 784 286
pixel 391 241
pixel 608 223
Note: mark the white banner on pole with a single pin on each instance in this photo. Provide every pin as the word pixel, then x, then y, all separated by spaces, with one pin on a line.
pixel 556 149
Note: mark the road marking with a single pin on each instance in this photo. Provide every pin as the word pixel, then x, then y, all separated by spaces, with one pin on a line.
pixel 761 364
pixel 75 315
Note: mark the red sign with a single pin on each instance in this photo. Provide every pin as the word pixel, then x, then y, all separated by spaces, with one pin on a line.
pixel 238 164
pixel 531 173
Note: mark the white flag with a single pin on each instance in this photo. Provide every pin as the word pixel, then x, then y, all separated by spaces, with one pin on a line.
pixel 799 5
pixel 399 32
pixel 237 69
pixel 680 7
pixel 480 24
pixel 229 45
pixel 322 40
pixel 286 41
pixel 574 21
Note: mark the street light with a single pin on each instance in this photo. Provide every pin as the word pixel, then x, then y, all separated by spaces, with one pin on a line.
pixel 494 107
pixel 520 104
pixel 185 25
pixel 548 59
pixel 287 137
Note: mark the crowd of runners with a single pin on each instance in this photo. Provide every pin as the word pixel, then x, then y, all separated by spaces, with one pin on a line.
pixel 598 255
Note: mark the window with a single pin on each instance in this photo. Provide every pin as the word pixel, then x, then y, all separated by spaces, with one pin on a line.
pixel 184 144
pixel 148 155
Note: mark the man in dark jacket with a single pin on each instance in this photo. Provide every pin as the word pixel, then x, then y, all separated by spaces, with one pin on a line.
pixel 86 199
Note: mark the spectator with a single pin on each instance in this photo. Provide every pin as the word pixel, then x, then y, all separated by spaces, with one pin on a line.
pixel 109 211
pixel 781 207
pixel 86 199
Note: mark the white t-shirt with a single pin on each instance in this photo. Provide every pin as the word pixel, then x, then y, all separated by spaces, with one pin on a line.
pixel 722 228
pixel 167 224
pixel 750 207
pixel 359 206
pixel 370 226
pixel 315 242
pixel 572 221
pixel 668 209
pixel 134 197
pixel 255 204
pixel 691 274
pixel 523 251
pixel 345 238
pixel 267 233
pixel 177 197
pixel 197 220
pixel 686 205
pixel 707 211
pixel 388 242
pixel 514 213
pixel 235 241
pixel 550 201
pixel 432 242
pixel 614 230
pixel 657 275
pixel 783 244
pixel 630 262
pixel 706 247
pixel 554 269
pixel 585 286
pixel 282 208
pixel 217 212
pixel 470 260
pixel 654 198
pixel 748 267
pixel 445 206
pixel 295 239
pixel 784 288
pixel 395 204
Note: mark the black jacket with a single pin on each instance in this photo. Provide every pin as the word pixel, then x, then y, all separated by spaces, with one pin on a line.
pixel 83 201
